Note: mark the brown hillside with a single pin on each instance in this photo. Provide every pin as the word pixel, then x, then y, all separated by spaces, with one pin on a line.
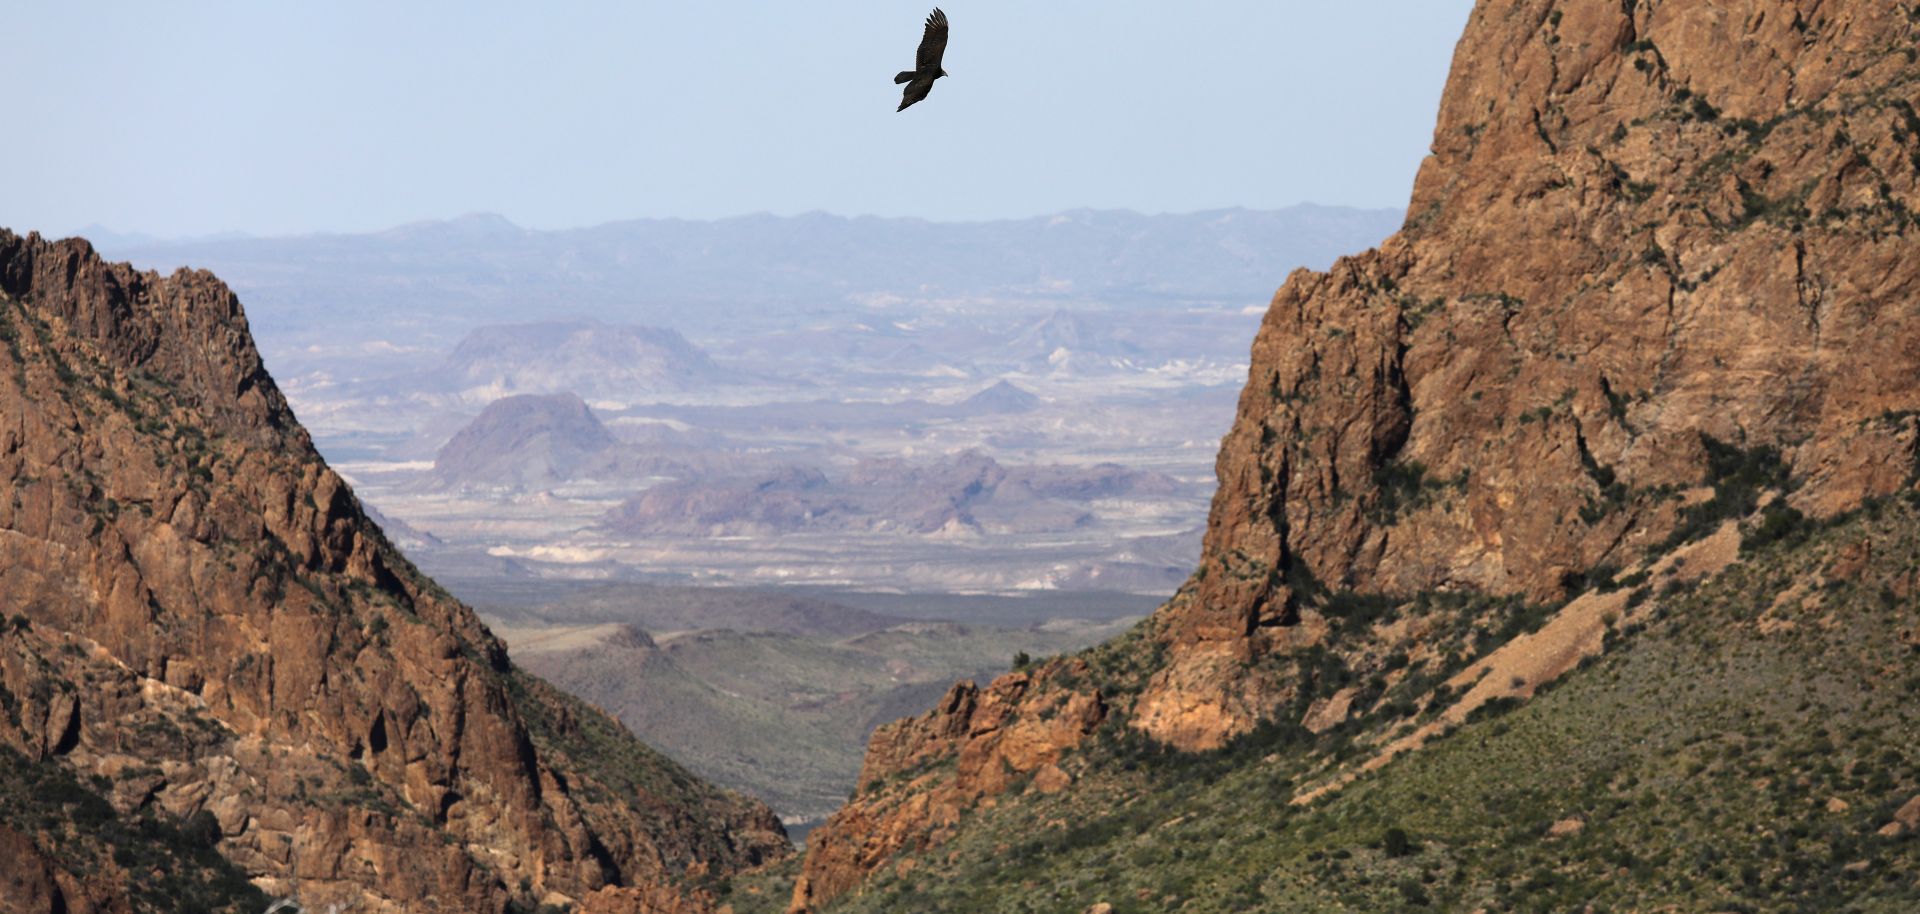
pixel 200 613
pixel 1657 244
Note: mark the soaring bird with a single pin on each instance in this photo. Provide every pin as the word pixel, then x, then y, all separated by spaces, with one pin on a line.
pixel 926 67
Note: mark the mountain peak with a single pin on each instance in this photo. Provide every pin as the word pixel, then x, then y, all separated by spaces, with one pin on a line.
pixel 467 227
pixel 192 591
pixel 1003 398
pixel 528 440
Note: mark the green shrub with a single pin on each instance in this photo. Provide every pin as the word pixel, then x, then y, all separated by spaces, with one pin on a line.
pixel 1779 523
pixel 1494 707
pixel 1739 476
pixel 201 830
pixel 1355 611
pixel 1399 487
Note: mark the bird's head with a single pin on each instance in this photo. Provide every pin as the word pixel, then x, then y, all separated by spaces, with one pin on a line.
pixel 943 72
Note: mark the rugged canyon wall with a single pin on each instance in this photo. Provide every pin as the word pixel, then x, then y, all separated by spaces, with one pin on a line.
pixel 200 622
pixel 1658 246
pixel 1642 226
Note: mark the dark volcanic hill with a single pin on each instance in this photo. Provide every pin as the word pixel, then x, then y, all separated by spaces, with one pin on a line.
pixel 208 637
pixel 965 492
pixel 1618 431
pixel 531 442
pixel 1003 398
pixel 527 440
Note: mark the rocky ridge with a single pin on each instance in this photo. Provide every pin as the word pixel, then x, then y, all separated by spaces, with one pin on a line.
pixel 1656 277
pixel 203 622
pixel 967 492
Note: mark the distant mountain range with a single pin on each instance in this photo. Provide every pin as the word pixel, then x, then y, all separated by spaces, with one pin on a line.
pixel 699 275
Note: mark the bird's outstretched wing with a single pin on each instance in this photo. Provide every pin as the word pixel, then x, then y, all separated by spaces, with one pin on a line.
pixel 933 43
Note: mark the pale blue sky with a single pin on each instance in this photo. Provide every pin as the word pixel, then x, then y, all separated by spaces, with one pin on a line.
pixel 273 118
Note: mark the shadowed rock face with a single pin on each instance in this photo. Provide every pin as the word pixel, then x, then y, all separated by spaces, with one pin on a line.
pixel 1647 233
pixel 200 611
pixel 31 882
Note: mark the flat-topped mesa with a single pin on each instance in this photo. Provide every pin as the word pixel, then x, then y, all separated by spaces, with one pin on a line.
pixel 201 609
pixel 1661 253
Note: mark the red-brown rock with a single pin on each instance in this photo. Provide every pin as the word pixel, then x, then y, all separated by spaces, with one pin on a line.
pixel 198 595
pixel 1644 229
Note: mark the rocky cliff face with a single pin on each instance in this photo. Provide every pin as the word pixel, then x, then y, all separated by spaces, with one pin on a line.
pixel 34 883
pixel 1641 227
pixel 922 775
pixel 200 613
pixel 1657 245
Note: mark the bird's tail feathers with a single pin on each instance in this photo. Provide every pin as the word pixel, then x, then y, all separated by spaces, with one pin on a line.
pixel 905 76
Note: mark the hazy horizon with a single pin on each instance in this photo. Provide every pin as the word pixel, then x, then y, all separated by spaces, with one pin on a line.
pixel 271 121
pixel 115 233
